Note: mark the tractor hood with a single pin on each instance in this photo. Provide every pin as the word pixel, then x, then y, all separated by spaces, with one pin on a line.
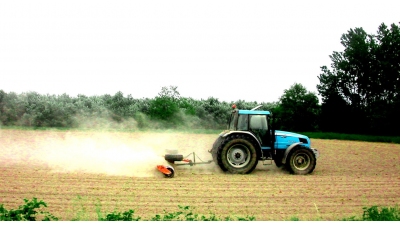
pixel 284 139
pixel 282 133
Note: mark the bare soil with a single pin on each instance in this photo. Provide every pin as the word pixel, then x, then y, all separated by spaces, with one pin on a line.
pixel 77 172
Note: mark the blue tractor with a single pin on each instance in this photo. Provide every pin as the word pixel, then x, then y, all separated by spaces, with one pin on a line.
pixel 249 139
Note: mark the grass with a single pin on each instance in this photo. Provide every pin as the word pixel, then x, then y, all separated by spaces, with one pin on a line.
pixel 33 208
pixel 352 137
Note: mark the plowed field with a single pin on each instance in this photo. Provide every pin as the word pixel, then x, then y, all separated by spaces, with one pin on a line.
pixel 75 171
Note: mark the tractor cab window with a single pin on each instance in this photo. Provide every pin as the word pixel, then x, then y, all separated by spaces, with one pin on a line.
pixel 243 122
pixel 259 127
pixel 258 122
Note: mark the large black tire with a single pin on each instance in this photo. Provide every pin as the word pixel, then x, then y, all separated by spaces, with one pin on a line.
pixel 301 161
pixel 221 165
pixel 215 152
pixel 172 158
pixel 238 154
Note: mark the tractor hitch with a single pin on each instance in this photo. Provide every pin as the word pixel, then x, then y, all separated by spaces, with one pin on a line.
pixel 179 160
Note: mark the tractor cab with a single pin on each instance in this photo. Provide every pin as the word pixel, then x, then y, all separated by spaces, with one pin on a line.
pixel 255 122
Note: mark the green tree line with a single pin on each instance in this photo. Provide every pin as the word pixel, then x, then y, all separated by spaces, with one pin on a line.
pixel 360 95
pixel 167 110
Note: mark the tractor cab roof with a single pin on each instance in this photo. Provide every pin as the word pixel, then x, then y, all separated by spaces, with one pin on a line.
pixel 254 112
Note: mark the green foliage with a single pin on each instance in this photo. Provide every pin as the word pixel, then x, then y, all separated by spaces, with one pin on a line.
pixel 294 218
pixel 167 110
pixel 362 91
pixel 185 213
pixel 79 209
pixel 141 119
pixel 241 104
pixel 26 212
pixel 12 108
pixel 188 105
pixel 352 218
pixel 298 110
pixel 353 137
pixel 376 213
pixel 165 105
pixel 117 216
pixel 162 108
pixel 47 111
pixel 29 212
pixel 215 113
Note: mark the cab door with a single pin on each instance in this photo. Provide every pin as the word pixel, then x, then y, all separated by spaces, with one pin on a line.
pixel 259 127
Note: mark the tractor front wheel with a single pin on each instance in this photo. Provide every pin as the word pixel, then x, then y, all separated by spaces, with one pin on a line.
pixel 301 161
pixel 238 154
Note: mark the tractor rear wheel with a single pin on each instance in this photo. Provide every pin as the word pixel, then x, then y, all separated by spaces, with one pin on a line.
pixel 301 161
pixel 238 154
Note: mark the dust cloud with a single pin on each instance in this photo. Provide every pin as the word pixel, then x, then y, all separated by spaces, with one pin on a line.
pixel 84 152
pixel 133 154
pixel 100 154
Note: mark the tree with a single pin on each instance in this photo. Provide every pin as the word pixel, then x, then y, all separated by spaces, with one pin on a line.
pixel 165 105
pixel 298 110
pixel 12 108
pixel 364 82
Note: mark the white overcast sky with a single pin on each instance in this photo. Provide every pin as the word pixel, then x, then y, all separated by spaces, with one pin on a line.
pixel 230 50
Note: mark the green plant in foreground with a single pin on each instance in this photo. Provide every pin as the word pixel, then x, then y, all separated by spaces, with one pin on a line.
pixel 30 211
pixel 352 218
pixel 26 212
pixel 81 214
pixel 376 213
pixel 185 214
pixel 294 218
pixel 117 216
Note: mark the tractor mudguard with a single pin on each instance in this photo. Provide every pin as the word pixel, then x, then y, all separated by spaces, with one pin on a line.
pixel 287 151
pixel 244 132
pixel 291 147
